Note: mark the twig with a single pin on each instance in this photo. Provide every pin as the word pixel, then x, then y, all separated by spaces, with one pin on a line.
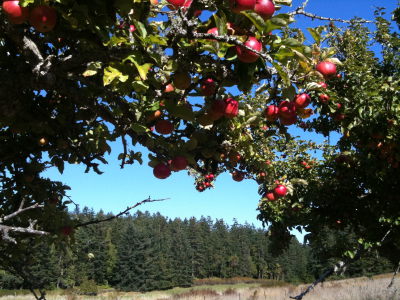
pixel 20 210
pixel 96 221
pixel 394 275
pixel 300 11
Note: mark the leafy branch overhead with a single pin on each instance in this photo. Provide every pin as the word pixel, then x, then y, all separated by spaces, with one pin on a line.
pixel 163 75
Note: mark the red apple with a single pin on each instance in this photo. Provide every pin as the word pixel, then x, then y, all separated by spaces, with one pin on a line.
pixel 327 69
pixel 231 108
pixel 213 31
pixel 323 84
pixel 248 56
pixel 287 110
pixel 169 88
pixel 177 3
pixel 217 109
pixel 280 190
pixel 66 230
pixel 43 18
pixel 16 13
pixel 238 5
pixel 187 3
pixel 179 163
pixel 271 113
pixel 302 100
pixel 237 176
pixel 339 117
pixel 164 127
pixel 182 80
pixel 234 157
pixel 270 196
pixel 324 98
pixel 265 8
pixel 288 121
pixel 207 87
pixel 161 171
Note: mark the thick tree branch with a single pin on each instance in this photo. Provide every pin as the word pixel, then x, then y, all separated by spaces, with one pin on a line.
pixel 7 229
pixel 96 221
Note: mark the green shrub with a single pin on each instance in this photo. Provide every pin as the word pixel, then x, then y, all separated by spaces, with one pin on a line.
pixel 88 287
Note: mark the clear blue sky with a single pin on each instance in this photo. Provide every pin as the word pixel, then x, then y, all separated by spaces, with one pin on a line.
pixel 116 189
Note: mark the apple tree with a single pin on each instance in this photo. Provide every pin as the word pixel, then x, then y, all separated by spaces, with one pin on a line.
pixel 77 75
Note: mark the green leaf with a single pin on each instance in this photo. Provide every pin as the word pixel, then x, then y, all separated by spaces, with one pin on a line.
pixel 316 34
pixel 140 87
pixel 282 74
pixel 283 2
pixel 141 29
pixel 116 41
pixel 92 68
pixel 256 19
pixel 59 163
pixel 25 3
pixel 182 111
pixel 283 53
pixel 289 92
pixel 291 42
pixel 139 128
pixel 220 22
pixel 111 73
pixel 142 69
pixel 156 39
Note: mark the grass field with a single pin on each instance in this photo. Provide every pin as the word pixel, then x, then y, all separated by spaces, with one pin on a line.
pixel 351 289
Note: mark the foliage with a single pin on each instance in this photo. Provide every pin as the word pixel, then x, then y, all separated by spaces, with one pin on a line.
pixel 88 287
pixel 101 75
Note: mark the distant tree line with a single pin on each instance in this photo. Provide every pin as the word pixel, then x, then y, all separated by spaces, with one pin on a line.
pixel 144 252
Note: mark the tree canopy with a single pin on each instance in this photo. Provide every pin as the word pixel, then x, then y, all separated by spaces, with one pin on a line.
pixel 77 75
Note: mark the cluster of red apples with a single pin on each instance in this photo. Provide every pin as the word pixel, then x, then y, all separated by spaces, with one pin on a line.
pixel 265 8
pixel 163 170
pixel 278 192
pixel 287 111
pixel 43 18
pixel 205 183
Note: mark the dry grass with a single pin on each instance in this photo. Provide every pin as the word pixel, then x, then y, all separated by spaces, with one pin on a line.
pixel 350 289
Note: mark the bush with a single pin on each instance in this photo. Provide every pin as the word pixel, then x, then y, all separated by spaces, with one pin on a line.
pixel 88 287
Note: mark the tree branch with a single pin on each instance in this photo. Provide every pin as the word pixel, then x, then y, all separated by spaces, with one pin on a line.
pixel 394 275
pixel 300 11
pixel 7 229
pixel 20 210
pixel 96 221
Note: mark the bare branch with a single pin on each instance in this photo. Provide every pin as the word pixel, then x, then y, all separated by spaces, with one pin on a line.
pixel 96 221
pixel 20 210
pixel 300 11
pixel 7 229
pixel 394 275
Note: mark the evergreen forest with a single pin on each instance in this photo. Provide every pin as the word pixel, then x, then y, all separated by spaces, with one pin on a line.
pixel 144 252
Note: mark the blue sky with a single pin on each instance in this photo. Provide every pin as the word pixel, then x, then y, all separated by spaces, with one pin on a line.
pixel 116 189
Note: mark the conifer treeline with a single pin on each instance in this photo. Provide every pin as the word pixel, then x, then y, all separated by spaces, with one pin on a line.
pixel 150 252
